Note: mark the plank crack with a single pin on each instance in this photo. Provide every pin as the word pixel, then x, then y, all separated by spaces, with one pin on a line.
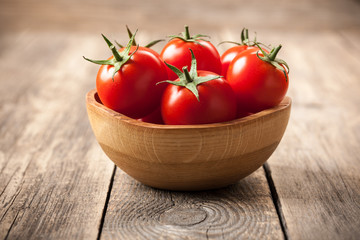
pixel 11 226
pixel 11 203
pixel 6 185
pixel 207 233
pixel 276 200
pixel 106 203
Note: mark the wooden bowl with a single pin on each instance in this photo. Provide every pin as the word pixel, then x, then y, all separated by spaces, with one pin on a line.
pixel 188 157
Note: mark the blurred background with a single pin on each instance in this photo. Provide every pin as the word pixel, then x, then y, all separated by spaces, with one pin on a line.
pixel 162 16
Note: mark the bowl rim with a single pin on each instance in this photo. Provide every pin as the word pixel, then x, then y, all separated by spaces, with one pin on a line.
pixel 92 99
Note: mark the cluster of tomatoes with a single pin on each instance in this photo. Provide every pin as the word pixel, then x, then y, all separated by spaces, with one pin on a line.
pixel 189 82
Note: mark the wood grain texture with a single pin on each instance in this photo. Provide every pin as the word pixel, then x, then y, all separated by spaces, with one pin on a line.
pixel 242 211
pixel 316 170
pixel 53 177
pixel 188 157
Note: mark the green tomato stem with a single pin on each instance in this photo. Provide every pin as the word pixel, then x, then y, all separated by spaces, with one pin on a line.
pixel 187 75
pixel 113 49
pixel 274 52
pixel 245 37
pixel 116 53
pixel 130 36
pixel 187 32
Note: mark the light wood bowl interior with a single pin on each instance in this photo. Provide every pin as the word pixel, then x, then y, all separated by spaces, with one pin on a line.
pixel 188 157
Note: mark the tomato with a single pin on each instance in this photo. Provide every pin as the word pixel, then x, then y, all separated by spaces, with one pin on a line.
pixel 259 79
pixel 231 53
pixel 126 82
pixel 176 52
pixel 154 117
pixel 217 103
pixel 243 114
pixel 198 97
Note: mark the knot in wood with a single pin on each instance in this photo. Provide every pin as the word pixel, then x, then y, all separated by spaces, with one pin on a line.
pixel 183 216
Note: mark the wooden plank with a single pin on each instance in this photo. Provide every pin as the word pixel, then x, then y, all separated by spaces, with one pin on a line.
pixel 241 211
pixel 54 178
pixel 316 168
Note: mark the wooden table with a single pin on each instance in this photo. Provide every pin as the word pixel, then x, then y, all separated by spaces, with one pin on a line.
pixel 56 183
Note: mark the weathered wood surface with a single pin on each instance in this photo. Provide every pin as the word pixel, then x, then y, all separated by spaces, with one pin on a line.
pixel 244 210
pixel 316 170
pixel 54 178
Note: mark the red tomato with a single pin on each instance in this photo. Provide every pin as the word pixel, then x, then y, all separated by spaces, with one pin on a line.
pixel 243 114
pixel 258 84
pixel 126 82
pixel 229 55
pixel 176 52
pixel 154 117
pixel 217 103
pixel 152 51
pixel 133 92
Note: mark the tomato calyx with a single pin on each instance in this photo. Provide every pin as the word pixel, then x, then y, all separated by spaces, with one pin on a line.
pixel 189 79
pixel 119 58
pixel 185 36
pixel 271 58
pixel 149 45
pixel 245 41
pixel 244 37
